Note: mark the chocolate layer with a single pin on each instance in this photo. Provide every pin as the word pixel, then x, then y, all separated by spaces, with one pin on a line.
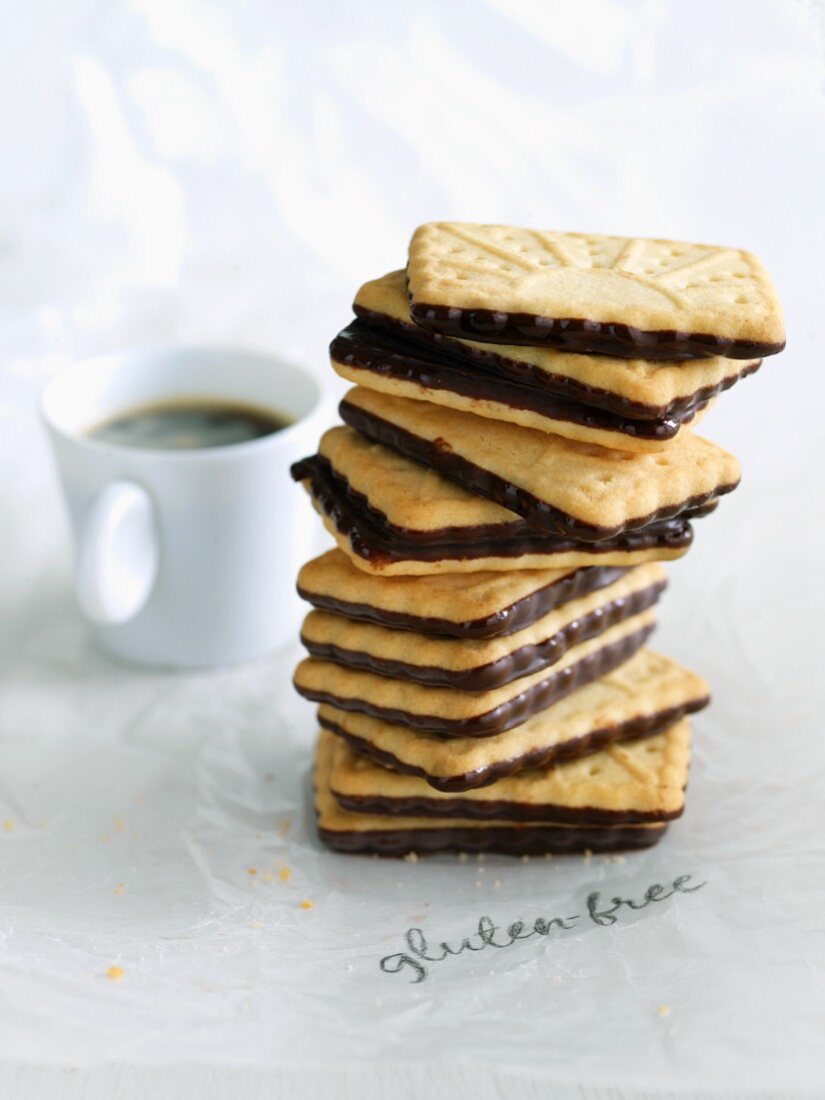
pixel 517 841
pixel 644 726
pixel 584 337
pixel 538 513
pixel 521 662
pixel 391 356
pixel 511 713
pixel 489 360
pixel 373 538
pixel 508 620
pixel 499 810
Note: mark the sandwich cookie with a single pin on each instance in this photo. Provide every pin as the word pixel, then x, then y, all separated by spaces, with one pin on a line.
pixel 633 782
pixel 593 294
pixel 557 485
pixel 392 516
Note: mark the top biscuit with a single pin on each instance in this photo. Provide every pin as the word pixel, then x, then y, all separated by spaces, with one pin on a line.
pixel 592 294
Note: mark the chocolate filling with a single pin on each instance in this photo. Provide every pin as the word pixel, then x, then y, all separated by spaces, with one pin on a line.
pixel 498 810
pixel 439 456
pixel 508 620
pixel 646 725
pixel 584 337
pixel 490 360
pixel 373 538
pixel 521 662
pixel 511 713
pixel 391 356
pixel 521 840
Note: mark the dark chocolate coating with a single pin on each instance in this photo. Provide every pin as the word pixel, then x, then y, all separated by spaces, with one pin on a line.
pixel 538 513
pixel 498 810
pixel 644 726
pixel 521 662
pixel 511 713
pixel 521 840
pixel 489 361
pixel 508 620
pixel 390 356
pixel 374 539
pixel 584 337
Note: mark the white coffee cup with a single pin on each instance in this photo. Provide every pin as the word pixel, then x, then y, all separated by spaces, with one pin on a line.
pixel 186 557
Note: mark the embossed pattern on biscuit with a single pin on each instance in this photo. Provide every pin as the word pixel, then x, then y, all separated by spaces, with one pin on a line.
pixel 632 781
pixel 644 696
pixel 591 293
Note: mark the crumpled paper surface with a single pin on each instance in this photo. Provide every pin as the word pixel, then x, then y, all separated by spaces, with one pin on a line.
pixel 233 176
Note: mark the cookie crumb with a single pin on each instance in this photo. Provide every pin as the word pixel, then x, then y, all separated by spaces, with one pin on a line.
pixel 285 874
pixel 121 886
pixel 115 973
pixel 462 857
pixel 525 859
pixel 480 857
pixel 284 826
pixel 587 856
pixel 619 859
pixel 548 855
pixel 118 824
pixel 252 870
pixel 411 857
pixel 663 1010
pixel 307 904
pixel 8 825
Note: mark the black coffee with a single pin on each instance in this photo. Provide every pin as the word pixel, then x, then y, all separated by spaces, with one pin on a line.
pixel 187 423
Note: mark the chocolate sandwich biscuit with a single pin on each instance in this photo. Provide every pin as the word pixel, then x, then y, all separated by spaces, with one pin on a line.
pixel 557 485
pixel 630 782
pixel 454 605
pixel 592 294
pixel 645 696
pixel 481 665
pixel 400 358
pixel 449 712
pixel 375 834
pixel 637 389
pixel 394 517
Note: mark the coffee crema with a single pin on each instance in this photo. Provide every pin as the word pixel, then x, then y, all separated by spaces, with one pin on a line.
pixel 188 423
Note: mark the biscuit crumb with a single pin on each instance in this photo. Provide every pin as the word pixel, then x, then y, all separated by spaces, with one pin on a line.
pixel 121 886
pixel 118 824
pixel 285 874
pixel 411 857
pixel 588 855
pixel 307 904
pixel 548 855
pixel 462 857
pixel 252 870
pixel 663 1010
pixel 525 859
pixel 115 973
pixel 284 826
pixel 480 857
pixel 619 859
pixel 8 825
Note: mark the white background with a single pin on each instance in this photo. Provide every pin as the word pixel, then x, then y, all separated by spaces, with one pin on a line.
pixel 191 171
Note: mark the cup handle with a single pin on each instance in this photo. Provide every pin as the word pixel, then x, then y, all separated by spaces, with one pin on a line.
pixel 118 554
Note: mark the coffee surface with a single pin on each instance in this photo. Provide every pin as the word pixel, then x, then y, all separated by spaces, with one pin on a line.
pixel 188 424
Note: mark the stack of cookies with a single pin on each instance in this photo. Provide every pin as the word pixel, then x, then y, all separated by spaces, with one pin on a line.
pixel 517 458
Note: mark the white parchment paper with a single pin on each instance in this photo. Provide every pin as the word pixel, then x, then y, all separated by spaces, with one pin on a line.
pixel 199 172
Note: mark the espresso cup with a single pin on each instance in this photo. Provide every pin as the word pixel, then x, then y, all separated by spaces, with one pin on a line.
pixel 188 557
